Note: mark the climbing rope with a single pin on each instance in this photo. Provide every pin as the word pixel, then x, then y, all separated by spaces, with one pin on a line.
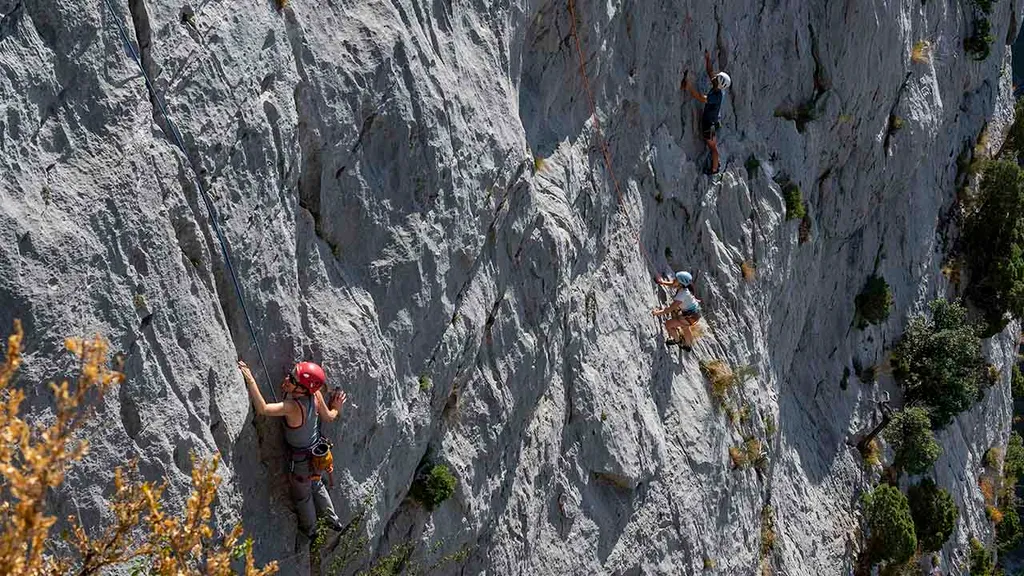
pixel 601 142
pixel 199 185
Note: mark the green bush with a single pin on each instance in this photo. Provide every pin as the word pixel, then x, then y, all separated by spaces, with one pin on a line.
pixel 1008 531
pixel 1013 461
pixel 939 364
pixel 994 245
pixel 873 302
pixel 890 526
pixel 433 486
pixel 794 202
pixel 978 44
pixel 934 512
pixel 1015 135
pixel 984 5
pixel 1017 383
pixel 981 563
pixel 911 436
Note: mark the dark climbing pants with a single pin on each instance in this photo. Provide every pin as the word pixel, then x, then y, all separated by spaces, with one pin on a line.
pixel 310 496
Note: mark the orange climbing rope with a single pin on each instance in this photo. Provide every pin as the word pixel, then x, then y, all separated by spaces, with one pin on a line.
pixel 601 142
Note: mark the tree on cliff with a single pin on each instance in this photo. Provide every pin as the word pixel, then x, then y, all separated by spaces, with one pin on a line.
pixel 994 245
pixel 34 460
pixel 939 364
pixel 934 513
pixel 891 536
pixel 911 436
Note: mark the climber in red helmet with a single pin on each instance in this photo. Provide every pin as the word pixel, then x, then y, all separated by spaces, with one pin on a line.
pixel 302 408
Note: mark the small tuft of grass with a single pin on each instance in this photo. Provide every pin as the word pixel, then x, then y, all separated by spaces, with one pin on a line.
pixel 794 202
pixel 424 383
pixel 721 377
pixel 140 301
pixel 768 535
pixel 921 53
pixel 896 123
pixel 872 455
pixel 709 563
pixel 604 416
pixel 769 425
pixel 744 414
pixel 538 164
pixel 748 270
pixel 739 459
pixel 747 454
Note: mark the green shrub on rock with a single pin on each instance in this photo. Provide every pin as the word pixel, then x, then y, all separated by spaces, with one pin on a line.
pixel 939 364
pixel 994 245
pixel 873 302
pixel 1013 461
pixel 433 486
pixel 794 202
pixel 979 43
pixel 1008 531
pixel 934 512
pixel 891 536
pixel 910 433
pixel 981 563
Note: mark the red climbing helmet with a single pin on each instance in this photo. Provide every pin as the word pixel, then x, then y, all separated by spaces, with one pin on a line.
pixel 309 375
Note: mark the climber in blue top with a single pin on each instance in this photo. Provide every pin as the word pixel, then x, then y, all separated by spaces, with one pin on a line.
pixel 709 120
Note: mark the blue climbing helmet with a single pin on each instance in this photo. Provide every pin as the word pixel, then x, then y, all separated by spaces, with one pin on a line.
pixel 684 278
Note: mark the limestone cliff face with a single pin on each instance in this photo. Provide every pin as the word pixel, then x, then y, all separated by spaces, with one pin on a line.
pixel 415 192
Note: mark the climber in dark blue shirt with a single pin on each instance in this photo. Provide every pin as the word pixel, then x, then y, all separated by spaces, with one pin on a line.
pixel 709 120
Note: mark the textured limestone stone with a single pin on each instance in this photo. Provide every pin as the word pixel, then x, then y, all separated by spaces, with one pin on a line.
pixel 415 189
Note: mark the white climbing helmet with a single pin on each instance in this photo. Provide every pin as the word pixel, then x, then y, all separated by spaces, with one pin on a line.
pixel 723 80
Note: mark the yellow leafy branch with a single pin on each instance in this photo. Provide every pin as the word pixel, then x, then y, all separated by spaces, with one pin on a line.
pixel 34 460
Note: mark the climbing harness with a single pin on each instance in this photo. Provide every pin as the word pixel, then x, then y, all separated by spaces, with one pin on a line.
pixel 602 143
pixel 199 185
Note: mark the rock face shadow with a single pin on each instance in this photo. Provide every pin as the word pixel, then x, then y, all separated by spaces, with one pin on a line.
pixel 552 102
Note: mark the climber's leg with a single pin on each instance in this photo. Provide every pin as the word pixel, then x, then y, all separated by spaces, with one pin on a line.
pixel 324 505
pixel 674 328
pixel 689 319
pixel 302 495
pixel 707 132
pixel 713 146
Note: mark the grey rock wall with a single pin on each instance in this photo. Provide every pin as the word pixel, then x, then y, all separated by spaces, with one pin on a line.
pixel 375 169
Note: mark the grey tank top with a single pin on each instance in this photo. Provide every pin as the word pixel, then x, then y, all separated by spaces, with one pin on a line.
pixel 307 433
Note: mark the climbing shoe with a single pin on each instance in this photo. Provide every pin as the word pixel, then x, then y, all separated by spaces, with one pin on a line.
pixel 671 342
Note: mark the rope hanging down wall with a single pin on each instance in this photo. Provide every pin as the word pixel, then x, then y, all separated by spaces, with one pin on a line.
pixel 601 142
pixel 199 186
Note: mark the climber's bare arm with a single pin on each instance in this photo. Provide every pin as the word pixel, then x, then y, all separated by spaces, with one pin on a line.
pixel 662 311
pixel 707 66
pixel 331 409
pixel 688 86
pixel 278 409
